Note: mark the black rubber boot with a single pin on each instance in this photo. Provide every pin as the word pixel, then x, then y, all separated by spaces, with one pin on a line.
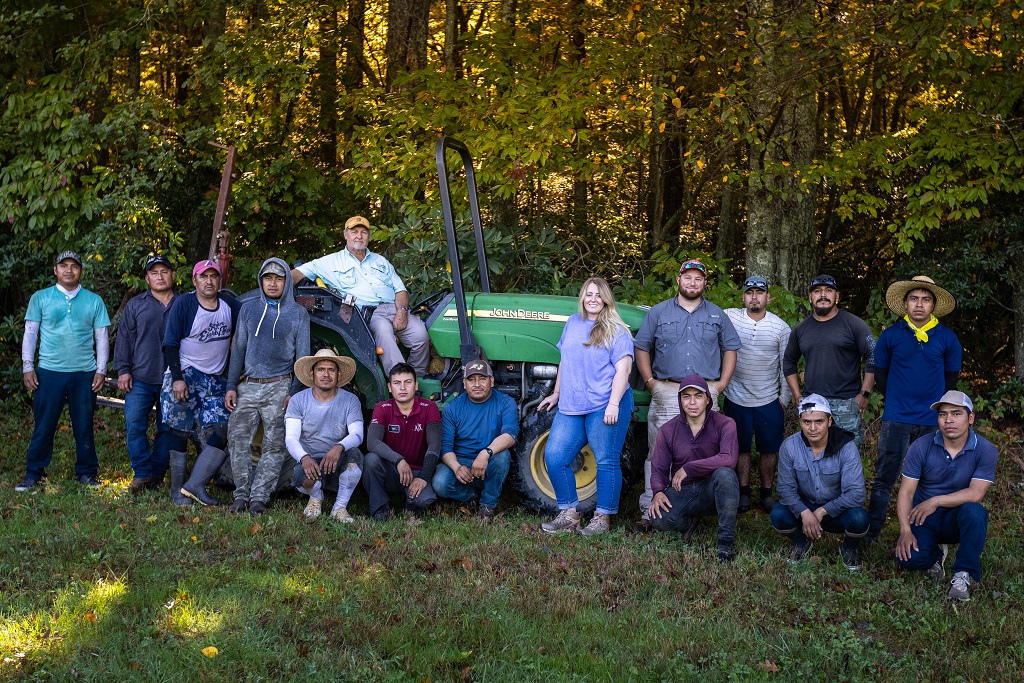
pixel 207 464
pixel 178 467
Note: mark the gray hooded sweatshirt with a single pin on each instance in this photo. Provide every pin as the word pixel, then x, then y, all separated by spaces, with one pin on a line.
pixel 270 335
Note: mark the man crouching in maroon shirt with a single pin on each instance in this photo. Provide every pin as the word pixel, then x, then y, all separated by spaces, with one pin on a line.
pixel 693 468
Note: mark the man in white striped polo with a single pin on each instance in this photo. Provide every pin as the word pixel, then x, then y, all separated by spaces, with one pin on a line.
pixel 756 397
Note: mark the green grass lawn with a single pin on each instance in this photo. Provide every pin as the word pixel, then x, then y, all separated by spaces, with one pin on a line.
pixel 97 585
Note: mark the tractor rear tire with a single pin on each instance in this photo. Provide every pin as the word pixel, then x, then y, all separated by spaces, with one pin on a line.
pixel 531 472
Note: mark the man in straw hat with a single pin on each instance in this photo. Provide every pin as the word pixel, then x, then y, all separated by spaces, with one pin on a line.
pixel 945 478
pixel 323 428
pixel 916 360
pixel 373 281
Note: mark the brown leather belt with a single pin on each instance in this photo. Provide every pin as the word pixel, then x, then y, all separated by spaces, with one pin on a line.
pixel 267 380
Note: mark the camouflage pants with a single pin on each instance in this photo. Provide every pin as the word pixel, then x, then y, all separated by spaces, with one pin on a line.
pixel 664 407
pixel 846 415
pixel 257 403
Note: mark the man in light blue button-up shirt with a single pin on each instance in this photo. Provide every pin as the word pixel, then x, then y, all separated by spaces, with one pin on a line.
pixel 372 280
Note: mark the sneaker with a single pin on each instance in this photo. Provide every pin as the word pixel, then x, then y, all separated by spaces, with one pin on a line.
pixel 381 516
pixel 89 480
pixel 237 506
pixel 138 485
pixel 961 587
pixel 257 508
pixel 485 512
pixel 851 556
pixel 744 505
pixel 312 510
pixel 800 549
pixel 27 484
pixel 937 571
pixel 642 526
pixel 341 515
pixel 567 520
pixel 600 523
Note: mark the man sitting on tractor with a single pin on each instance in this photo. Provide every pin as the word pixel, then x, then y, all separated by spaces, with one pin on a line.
pixel 372 280
pixel 477 429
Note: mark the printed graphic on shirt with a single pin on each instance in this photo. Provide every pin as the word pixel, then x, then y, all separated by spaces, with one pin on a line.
pixel 216 331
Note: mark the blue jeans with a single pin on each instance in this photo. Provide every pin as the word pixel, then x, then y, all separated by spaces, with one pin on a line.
pixel 569 434
pixel 138 404
pixel 489 489
pixel 56 389
pixel 853 522
pixel 893 441
pixel 966 525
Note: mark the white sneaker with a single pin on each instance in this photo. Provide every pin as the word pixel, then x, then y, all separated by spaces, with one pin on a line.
pixel 961 587
pixel 341 515
pixel 312 510
pixel 600 523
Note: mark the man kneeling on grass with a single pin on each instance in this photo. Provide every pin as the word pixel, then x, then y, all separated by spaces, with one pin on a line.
pixel 323 428
pixel 945 477
pixel 821 484
pixel 692 468
pixel 402 445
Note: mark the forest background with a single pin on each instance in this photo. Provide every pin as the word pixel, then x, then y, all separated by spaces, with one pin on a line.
pixel 872 140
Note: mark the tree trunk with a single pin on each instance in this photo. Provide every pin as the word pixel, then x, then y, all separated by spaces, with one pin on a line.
pixel 452 55
pixel 782 237
pixel 728 246
pixel 406 47
pixel 327 85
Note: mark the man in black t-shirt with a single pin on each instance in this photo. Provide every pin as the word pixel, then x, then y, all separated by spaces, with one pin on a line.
pixel 833 343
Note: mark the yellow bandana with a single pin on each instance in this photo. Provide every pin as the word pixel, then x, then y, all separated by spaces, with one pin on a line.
pixel 922 332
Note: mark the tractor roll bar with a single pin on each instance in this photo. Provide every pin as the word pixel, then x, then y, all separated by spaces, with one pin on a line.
pixel 469 349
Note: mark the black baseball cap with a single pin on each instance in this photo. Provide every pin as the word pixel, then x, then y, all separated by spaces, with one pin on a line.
pixel 823 281
pixel 755 282
pixel 157 260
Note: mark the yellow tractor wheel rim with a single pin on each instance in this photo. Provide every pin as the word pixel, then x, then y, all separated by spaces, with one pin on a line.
pixel 586 475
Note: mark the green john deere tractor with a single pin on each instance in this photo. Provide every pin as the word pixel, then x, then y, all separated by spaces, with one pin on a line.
pixel 517 333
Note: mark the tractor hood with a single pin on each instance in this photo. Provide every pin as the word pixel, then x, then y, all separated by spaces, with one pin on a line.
pixel 515 327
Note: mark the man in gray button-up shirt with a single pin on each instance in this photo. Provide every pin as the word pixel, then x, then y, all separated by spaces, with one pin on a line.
pixel 821 484
pixel 685 335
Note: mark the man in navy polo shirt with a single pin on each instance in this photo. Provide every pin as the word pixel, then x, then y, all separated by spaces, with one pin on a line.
pixel 403 443
pixel 945 477
pixel 915 361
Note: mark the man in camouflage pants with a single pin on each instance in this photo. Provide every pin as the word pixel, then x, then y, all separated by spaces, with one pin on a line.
pixel 272 333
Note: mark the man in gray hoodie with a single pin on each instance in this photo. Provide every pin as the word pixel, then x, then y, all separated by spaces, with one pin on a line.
pixel 272 333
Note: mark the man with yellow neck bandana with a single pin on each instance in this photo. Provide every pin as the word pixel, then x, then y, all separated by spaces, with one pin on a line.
pixel 916 361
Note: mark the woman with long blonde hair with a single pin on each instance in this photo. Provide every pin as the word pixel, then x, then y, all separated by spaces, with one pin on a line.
pixel 594 405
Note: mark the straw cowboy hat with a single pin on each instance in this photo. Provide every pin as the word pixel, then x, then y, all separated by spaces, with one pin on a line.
pixel 897 292
pixel 346 367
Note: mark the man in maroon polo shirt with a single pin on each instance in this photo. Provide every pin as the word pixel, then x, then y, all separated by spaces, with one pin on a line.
pixel 403 443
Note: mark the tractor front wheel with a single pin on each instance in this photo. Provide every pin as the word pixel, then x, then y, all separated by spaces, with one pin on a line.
pixel 532 481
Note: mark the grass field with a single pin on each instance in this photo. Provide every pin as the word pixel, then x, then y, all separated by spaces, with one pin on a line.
pixel 97 585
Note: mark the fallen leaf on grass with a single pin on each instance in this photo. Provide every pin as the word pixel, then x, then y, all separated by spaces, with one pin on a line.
pixel 769 665
pixel 195 540
pixel 379 542
pixel 464 675
pixel 661 578
pixel 123 526
pixel 463 562
pixel 210 652
pixel 321 590
pixel 170 605
pixel 135 665
pixel 75 526
pixel 151 519
pixel 195 520
pixel 426 566
pixel 289 551
pixel 90 616
pixel 254 528
pixel 303 649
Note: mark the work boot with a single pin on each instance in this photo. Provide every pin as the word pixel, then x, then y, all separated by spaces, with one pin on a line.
pixel 744 505
pixel 238 506
pixel 207 464
pixel 801 547
pixel 138 485
pixel 178 466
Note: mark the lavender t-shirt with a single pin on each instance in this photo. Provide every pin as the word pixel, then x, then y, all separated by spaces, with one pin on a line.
pixel 588 371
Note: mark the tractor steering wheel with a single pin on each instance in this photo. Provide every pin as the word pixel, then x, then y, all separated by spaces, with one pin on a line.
pixel 428 303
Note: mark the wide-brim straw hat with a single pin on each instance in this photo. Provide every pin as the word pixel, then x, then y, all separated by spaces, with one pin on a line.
pixel 346 367
pixel 944 301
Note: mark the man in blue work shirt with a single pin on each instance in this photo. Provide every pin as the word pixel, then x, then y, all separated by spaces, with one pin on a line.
pixel 372 280
pixel 139 364
pixel 477 430
pixel 945 477
pixel 67 320
pixel 916 361
pixel 682 336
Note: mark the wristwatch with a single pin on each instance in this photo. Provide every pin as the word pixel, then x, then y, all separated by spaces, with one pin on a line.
pixel 489 451
pixel 866 394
